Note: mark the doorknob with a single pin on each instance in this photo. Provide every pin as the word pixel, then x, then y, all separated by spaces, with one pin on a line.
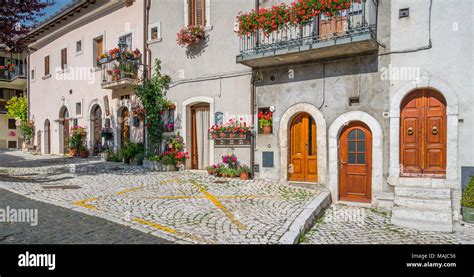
pixel 342 164
pixel 434 131
pixel 410 131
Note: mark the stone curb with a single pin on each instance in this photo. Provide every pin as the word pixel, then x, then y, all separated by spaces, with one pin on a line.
pixel 304 221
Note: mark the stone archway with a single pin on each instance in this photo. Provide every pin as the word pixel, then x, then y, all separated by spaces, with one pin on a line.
pixel 377 144
pixel 284 135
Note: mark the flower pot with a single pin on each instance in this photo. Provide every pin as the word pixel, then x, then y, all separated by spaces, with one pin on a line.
pixel 267 129
pixel 224 175
pixel 242 136
pixel 72 153
pixel 210 172
pixel 170 167
pixel 222 135
pixel 244 176
pixel 126 160
pixel 232 135
pixel 468 214
pixel 84 154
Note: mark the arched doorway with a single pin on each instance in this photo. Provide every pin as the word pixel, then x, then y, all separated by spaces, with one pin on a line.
pixel 64 130
pixel 423 134
pixel 200 142
pixel 47 137
pixel 303 149
pixel 124 126
pixel 96 127
pixel 355 163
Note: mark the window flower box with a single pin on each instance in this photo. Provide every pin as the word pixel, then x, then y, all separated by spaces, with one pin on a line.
pixel 191 35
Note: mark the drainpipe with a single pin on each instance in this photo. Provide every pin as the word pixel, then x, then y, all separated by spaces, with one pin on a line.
pixel 146 19
pixel 252 112
pixel 257 37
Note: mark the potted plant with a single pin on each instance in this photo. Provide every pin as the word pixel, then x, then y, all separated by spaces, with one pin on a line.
pixel 114 53
pixel 107 133
pixel 76 140
pixel 191 35
pixel 137 54
pixel 230 161
pixel 244 172
pixel 132 151
pixel 210 169
pixel 83 152
pixel 265 122
pixel 467 202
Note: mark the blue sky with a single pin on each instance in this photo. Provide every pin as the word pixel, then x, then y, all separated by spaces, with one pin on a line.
pixel 54 8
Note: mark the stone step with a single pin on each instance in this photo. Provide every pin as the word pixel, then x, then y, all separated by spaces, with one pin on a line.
pixel 425 193
pixel 423 219
pixel 423 203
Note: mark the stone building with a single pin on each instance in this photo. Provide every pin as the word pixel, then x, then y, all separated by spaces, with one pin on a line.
pixel 12 83
pixel 372 104
pixel 68 84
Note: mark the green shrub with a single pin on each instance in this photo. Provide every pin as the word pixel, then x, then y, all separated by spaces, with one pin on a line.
pixel 113 156
pixel 130 150
pixel 468 195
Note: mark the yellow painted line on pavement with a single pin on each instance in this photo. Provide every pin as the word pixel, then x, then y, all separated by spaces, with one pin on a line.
pixel 201 197
pixel 219 205
pixel 125 191
pixel 170 181
pixel 170 230
pixel 83 203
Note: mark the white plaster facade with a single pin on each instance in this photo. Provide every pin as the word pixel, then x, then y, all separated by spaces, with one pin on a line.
pixel 81 81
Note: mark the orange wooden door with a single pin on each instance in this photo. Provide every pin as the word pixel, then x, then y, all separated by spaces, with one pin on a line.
pixel 303 149
pixel 125 127
pixel 97 125
pixel 423 134
pixel 355 163
pixel 332 26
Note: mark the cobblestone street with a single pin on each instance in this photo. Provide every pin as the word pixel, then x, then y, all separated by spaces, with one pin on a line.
pixel 183 207
pixel 341 224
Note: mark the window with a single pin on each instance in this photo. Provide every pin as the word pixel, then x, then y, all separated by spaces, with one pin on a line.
pixel 11 124
pixel 126 42
pixel 63 58
pixel 197 12
pixel 79 46
pixel 78 108
pixel 12 144
pixel 46 66
pixel 98 48
pixel 356 147
pixel 154 32
pixel 32 74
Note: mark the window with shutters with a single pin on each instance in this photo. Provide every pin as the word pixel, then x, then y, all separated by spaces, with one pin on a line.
pixel 197 12
pixel 46 66
pixel 98 45
pixel 63 58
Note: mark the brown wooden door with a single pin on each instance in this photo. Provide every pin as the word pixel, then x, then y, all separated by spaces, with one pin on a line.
pixel 303 149
pixel 48 137
pixel 332 26
pixel 125 127
pixel 355 163
pixel 194 146
pixel 423 134
pixel 66 135
pixel 97 125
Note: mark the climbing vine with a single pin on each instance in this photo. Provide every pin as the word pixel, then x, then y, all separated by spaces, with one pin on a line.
pixel 151 95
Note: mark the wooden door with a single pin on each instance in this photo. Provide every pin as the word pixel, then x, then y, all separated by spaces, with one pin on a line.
pixel 355 163
pixel 48 138
pixel 303 149
pixel 97 126
pixel 66 135
pixel 423 134
pixel 194 146
pixel 330 27
pixel 125 127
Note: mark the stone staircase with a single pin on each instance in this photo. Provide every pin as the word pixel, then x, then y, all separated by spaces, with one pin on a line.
pixel 425 209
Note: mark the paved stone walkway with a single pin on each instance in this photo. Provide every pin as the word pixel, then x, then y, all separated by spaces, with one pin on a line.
pixel 183 207
pixel 350 225
pixel 58 225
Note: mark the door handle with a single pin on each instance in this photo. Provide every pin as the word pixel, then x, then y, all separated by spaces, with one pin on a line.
pixel 410 131
pixel 434 130
pixel 342 164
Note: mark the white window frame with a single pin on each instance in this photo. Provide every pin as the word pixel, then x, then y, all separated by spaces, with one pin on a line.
pixel 151 26
pixel 78 53
pixel 131 32
pixel 33 76
pixel 104 41
pixel 76 115
pixel 208 14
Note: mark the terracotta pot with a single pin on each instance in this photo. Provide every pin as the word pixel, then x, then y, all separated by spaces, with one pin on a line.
pixel 84 154
pixel 244 176
pixel 224 175
pixel 72 153
pixel 243 135
pixel 210 172
pixel 267 129
pixel 222 135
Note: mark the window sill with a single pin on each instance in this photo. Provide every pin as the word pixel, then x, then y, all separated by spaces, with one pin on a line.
pixel 208 28
pixel 46 77
pixel 155 41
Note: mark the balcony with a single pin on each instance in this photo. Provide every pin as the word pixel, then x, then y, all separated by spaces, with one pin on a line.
pixel 15 75
pixel 121 73
pixel 352 32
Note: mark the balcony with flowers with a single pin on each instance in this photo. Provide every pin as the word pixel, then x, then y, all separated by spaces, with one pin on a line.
pixel 120 68
pixel 13 73
pixel 307 30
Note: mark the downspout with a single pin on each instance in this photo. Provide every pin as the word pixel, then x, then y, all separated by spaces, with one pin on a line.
pixel 146 19
pixel 253 106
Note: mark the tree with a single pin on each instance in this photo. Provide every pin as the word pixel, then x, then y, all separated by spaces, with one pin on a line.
pixel 152 96
pixel 17 18
pixel 17 107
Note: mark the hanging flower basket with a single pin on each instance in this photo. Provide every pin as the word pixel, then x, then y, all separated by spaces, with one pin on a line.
pixel 191 35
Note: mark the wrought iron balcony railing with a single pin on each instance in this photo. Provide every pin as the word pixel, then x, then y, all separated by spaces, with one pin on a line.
pixel 121 72
pixel 322 31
